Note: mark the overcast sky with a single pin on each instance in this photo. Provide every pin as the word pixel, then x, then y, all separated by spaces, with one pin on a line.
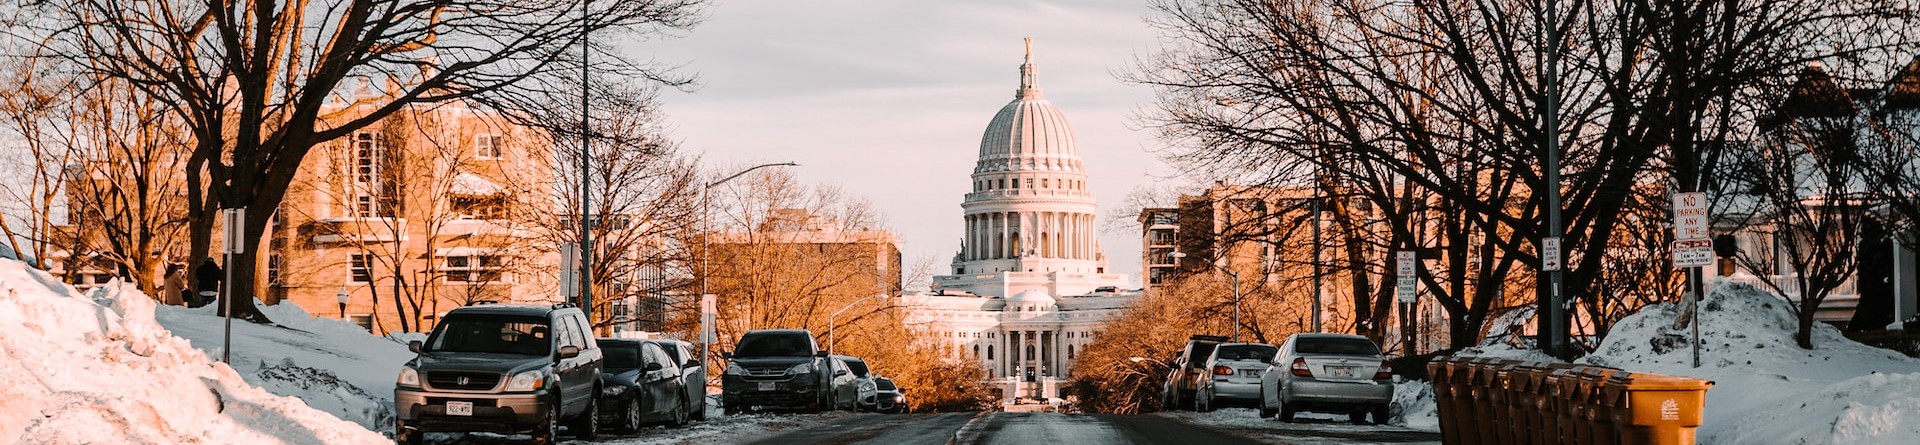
pixel 888 99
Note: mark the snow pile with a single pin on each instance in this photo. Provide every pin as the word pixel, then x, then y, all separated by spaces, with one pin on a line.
pixel 102 370
pixel 334 365
pixel 1768 389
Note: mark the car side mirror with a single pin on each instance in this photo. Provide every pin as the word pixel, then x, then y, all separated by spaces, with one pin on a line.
pixel 726 355
pixel 821 354
pixel 691 363
pixel 569 351
pixel 414 346
pixel 651 367
pixel 840 373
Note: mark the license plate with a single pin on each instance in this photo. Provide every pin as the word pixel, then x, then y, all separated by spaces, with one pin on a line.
pixel 459 408
pixel 1344 372
pixel 766 386
pixel 1250 373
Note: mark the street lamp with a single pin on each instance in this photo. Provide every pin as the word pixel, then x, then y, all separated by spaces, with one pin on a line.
pixel 830 317
pixel 706 212
pixel 342 298
pixel 1235 278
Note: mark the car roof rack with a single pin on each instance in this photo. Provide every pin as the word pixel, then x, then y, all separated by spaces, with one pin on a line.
pixel 1211 338
pixel 563 304
pixel 482 302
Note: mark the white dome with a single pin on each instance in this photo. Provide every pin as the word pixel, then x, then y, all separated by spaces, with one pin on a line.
pixel 1029 133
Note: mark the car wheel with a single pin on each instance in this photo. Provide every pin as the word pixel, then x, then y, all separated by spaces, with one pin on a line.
pixel 1286 412
pixel 729 410
pixel 630 420
pixel 1380 414
pixel 403 437
pixel 587 426
pixel 680 413
pixel 549 429
pixel 700 412
pixel 1267 412
pixel 1357 417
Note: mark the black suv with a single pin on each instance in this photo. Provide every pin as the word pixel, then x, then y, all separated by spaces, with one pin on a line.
pixel 776 368
pixel 502 369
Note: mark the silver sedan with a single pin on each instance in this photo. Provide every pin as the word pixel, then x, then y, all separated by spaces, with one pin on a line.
pixel 1331 373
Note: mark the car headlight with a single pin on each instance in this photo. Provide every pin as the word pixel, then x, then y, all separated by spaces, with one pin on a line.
pixel 803 368
pixel 527 381
pixel 866 386
pixel 733 369
pixel 409 377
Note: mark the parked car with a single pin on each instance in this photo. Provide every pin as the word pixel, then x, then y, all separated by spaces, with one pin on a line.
pixel 1237 369
pixel 694 373
pixel 888 398
pixel 845 388
pixel 1186 371
pixel 776 368
pixel 863 381
pixel 642 386
pixel 1332 373
pixel 502 369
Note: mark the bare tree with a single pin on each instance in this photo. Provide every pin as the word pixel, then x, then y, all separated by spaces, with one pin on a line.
pixel 251 81
pixel 1446 96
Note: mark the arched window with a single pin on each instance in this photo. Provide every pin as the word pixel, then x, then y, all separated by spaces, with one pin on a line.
pixel 989 352
pixel 1069 352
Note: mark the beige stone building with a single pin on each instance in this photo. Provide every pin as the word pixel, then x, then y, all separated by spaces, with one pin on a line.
pixel 428 210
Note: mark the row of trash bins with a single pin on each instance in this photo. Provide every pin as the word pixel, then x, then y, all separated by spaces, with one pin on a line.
pixel 1496 401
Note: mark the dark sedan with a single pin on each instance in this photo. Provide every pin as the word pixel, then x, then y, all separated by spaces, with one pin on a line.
pixel 888 398
pixel 642 385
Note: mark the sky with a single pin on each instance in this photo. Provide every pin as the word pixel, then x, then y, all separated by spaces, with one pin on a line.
pixel 888 100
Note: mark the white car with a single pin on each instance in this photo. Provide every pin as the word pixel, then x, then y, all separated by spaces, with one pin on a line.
pixel 1331 373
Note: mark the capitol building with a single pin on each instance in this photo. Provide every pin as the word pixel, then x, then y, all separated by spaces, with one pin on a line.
pixel 1030 284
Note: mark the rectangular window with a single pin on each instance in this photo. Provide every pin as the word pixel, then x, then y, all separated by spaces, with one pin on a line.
pixel 488 146
pixel 467 207
pixel 474 268
pixel 366 158
pixel 360 268
pixel 1043 183
pixel 273 269
pixel 1003 183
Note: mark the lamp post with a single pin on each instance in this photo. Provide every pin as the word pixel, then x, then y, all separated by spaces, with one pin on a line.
pixel 1234 278
pixel 706 212
pixel 342 298
pixel 830 317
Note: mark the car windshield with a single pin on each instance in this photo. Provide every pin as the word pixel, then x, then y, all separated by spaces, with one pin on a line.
pixel 621 356
pixel 491 333
pixel 883 384
pixel 1198 356
pixel 859 368
pixel 1342 346
pixel 1263 353
pixel 781 345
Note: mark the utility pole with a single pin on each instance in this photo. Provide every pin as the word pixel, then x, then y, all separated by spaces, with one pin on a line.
pixel 1552 320
pixel 586 176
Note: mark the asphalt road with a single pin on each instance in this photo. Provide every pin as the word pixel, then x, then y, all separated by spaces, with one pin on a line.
pixel 1005 428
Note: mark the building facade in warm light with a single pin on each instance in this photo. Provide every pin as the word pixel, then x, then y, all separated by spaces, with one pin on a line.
pixel 1030 285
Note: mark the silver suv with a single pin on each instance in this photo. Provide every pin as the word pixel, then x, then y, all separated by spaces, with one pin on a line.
pixel 502 369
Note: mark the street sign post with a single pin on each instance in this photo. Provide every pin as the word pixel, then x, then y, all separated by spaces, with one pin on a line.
pixel 1692 253
pixel 1550 257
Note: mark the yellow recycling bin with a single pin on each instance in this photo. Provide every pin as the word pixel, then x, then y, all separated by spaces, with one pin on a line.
pixel 1662 409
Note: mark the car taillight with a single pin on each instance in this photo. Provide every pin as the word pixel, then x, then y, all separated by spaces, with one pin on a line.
pixel 1385 372
pixel 1299 368
pixel 1222 370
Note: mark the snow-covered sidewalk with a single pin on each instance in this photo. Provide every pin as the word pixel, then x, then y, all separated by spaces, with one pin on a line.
pixel 97 369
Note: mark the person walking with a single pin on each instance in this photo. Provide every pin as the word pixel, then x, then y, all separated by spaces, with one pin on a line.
pixel 173 288
pixel 207 279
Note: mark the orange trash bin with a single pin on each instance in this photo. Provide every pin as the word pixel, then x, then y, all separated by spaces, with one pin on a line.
pixel 1662 409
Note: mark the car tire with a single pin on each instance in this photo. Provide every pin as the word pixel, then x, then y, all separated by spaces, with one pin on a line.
pixel 1380 414
pixel 1357 417
pixel 700 413
pixel 729 410
pixel 1286 412
pixel 680 414
pixel 1202 404
pixel 630 417
pixel 1265 411
pixel 548 432
pixel 403 437
pixel 587 425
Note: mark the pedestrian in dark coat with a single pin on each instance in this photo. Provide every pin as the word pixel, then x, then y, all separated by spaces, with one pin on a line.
pixel 207 279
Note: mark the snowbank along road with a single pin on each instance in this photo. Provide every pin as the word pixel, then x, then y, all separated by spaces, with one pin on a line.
pixel 1073 429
